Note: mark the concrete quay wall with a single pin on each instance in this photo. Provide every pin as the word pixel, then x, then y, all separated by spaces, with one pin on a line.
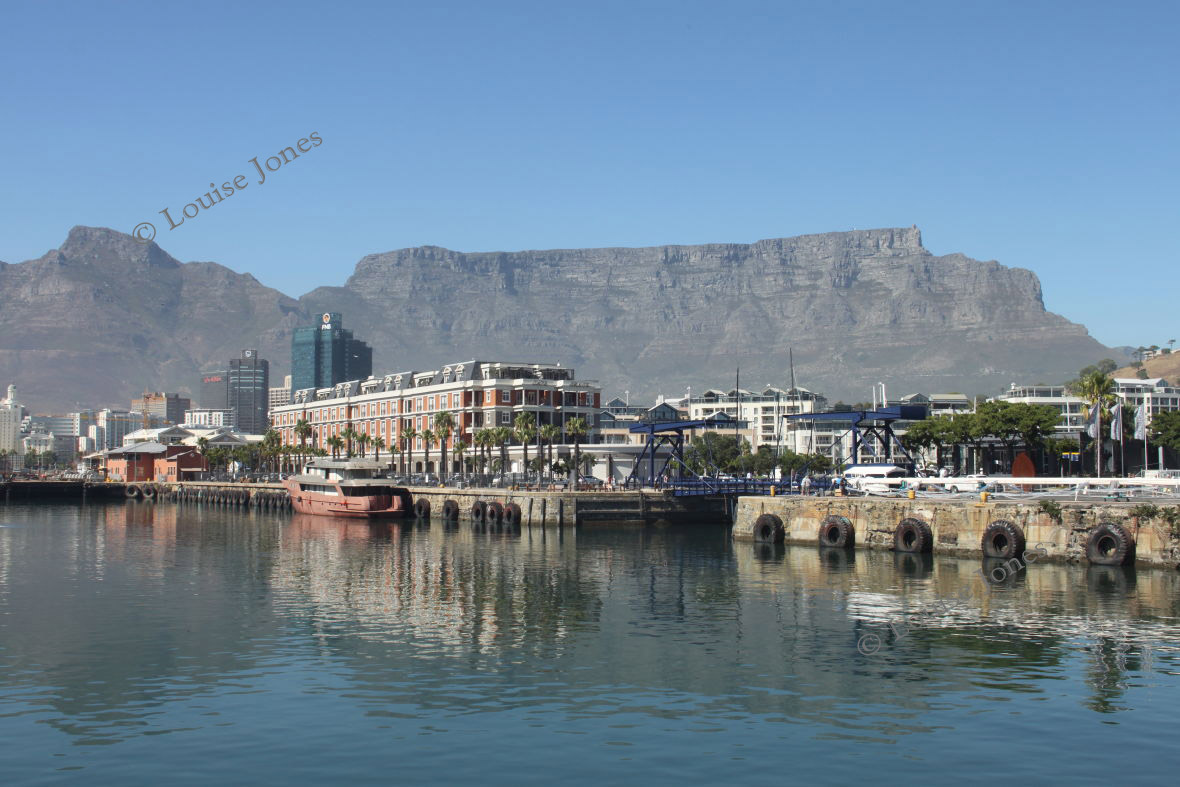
pixel 958 527
pixel 536 507
pixel 577 508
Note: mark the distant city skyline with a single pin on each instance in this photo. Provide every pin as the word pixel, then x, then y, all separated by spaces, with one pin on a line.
pixel 1038 135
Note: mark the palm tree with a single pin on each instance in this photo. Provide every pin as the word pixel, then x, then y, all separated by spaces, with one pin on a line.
pixel 271 444
pixel 501 435
pixel 444 424
pixel 203 450
pixel 378 443
pixel 303 431
pixel 577 429
pixel 363 440
pixel 408 437
pixel 1098 390
pixel 549 434
pixel 525 429
pixel 349 434
pixel 483 439
pixel 428 437
pixel 335 443
pixel 460 449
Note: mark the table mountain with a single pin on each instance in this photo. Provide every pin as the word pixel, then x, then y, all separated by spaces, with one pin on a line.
pixel 104 317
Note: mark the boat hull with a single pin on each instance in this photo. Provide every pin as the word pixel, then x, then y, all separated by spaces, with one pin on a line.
pixel 358 507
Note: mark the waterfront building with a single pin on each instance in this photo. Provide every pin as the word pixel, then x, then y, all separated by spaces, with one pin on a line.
pixel 109 427
pixel 1155 393
pixel 478 394
pixel 148 461
pixel 281 395
pixel 249 387
pixel 215 390
pixel 1072 408
pixel 760 413
pixel 326 354
pixel 207 417
pixel 168 406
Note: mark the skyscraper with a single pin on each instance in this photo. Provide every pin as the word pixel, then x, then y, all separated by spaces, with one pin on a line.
pixel 249 387
pixel 214 391
pixel 325 354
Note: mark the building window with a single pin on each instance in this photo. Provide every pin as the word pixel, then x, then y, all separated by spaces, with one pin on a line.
pixel 505 396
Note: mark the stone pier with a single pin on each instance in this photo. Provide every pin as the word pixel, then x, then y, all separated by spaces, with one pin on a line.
pixel 1060 531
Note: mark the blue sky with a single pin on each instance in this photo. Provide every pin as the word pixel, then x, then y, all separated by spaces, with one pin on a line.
pixel 1043 135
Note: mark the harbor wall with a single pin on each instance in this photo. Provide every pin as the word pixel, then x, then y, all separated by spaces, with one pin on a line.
pixel 562 508
pixel 958 527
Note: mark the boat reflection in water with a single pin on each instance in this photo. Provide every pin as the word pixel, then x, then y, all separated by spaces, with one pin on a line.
pixel 346 488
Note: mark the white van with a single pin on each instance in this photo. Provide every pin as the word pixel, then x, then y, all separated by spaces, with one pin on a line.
pixel 874 478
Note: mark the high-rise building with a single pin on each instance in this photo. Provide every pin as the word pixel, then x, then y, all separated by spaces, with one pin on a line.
pixel 249 387
pixel 281 395
pixel 325 354
pixel 11 416
pixel 169 406
pixel 214 390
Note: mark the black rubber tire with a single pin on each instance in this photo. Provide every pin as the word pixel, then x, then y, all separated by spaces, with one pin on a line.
pixel 131 490
pixel 512 515
pixel 450 511
pixel 1003 539
pixel 149 491
pixel 422 508
pixel 1110 544
pixel 837 531
pixel 495 514
pixel 479 511
pixel 912 535
pixel 768 529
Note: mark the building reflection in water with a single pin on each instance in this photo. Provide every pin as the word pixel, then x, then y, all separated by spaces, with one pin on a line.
pixel 115 612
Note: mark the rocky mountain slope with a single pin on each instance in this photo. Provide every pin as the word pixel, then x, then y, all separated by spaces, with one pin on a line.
pixel 104 317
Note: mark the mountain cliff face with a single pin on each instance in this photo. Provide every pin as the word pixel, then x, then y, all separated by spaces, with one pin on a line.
pixel 104 317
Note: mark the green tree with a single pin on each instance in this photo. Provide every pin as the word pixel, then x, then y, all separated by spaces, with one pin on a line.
pixel 428 437
pixel 408 438
pixel 460 450
pixel 271 443
pixel 348 435
pixel 1097 389
pixel 502 435
pixel 335 442
pixel 444 425
pixel 525 429
pixel 303 431
pixel 577 428
pixel 549 435
pixel 713 451
pixel 378 443
pixel 1165 429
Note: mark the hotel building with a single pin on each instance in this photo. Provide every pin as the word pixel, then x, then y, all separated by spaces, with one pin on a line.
pixel 478 394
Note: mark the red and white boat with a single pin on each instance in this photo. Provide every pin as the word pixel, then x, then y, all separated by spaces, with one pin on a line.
pixel 347 487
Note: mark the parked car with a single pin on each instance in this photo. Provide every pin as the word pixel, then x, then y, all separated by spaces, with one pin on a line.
pixel 589 480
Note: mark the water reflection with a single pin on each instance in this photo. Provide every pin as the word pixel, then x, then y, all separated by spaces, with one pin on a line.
pixel 122 621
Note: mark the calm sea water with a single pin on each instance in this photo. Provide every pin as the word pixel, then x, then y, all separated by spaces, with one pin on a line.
pixel 147 643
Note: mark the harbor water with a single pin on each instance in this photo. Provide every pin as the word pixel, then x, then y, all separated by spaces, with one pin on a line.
pixel 144 643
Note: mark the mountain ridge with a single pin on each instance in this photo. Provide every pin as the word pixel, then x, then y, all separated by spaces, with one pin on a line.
pixel 856 307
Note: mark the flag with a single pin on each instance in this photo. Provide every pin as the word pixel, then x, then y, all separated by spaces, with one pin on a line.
pixel 1116 422
pixel 1092 422
pixel 1141 422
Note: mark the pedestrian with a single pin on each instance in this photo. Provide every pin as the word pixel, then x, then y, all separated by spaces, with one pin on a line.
pixel 806 485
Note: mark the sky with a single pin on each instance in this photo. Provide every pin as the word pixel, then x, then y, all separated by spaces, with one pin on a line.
pixel 1039 134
